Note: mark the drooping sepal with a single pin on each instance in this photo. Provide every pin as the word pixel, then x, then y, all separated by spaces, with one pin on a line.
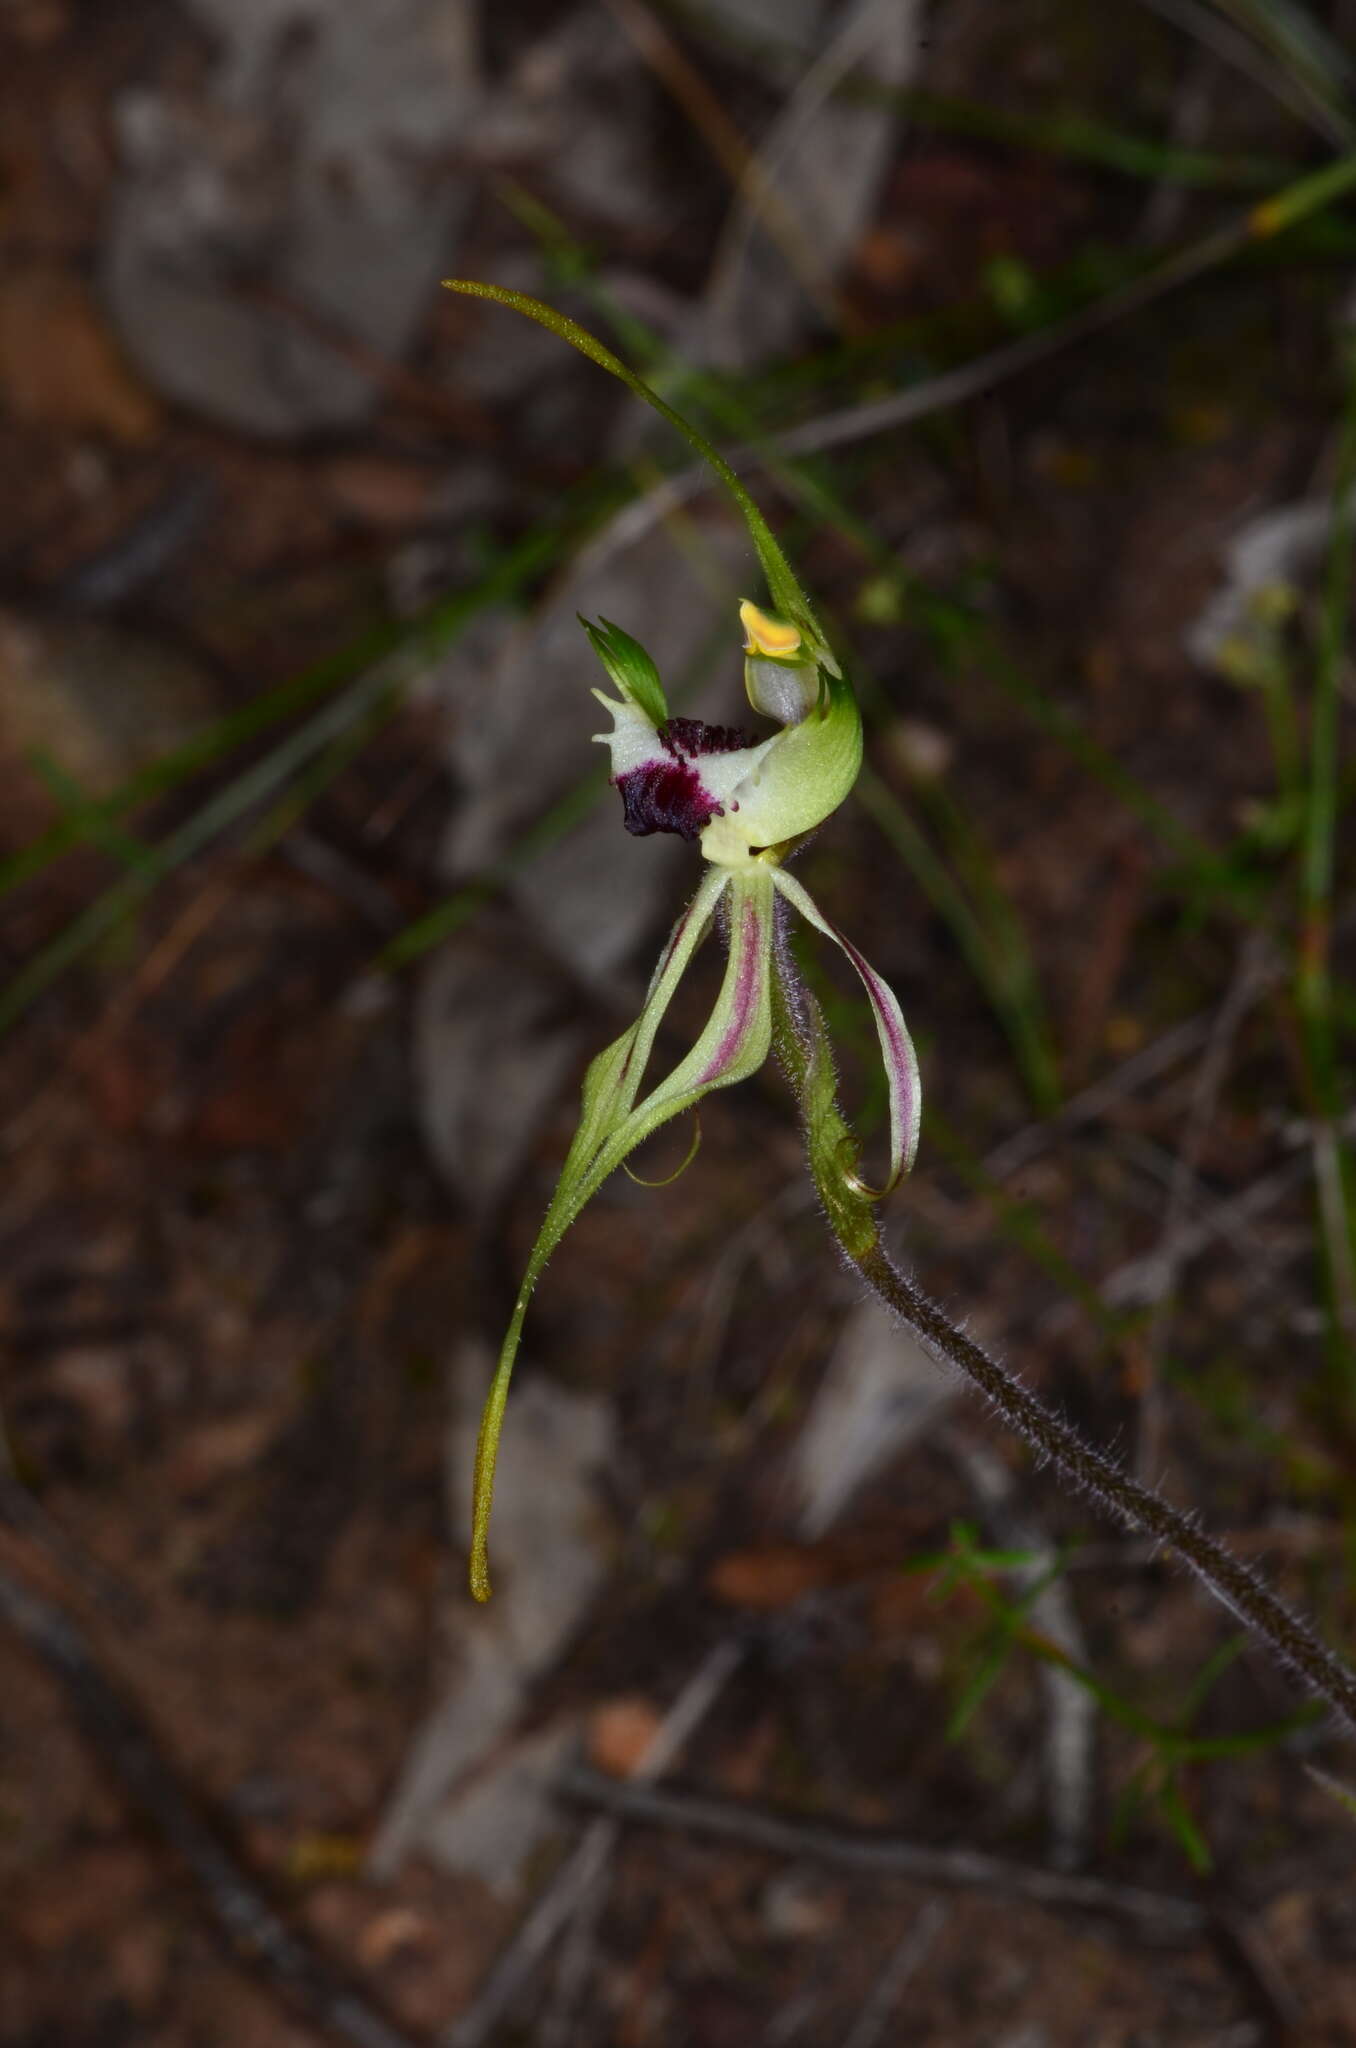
pixel 612 1124
pixel 897 1051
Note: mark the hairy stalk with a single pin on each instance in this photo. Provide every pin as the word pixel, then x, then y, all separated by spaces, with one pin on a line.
pixel 801 1043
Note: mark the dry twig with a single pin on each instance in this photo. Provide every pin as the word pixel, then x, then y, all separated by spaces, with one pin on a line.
pixel 880 1855
pixel 873 2021
pixel 570 1890
pixel 257 1936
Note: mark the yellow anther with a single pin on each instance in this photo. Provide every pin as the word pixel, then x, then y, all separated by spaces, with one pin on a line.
pixel 766 635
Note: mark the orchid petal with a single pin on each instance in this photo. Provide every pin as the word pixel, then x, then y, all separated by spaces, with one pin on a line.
pixel 901 1061
pixel 733 1045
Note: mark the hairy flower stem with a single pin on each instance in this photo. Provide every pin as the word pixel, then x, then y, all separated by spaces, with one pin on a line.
pixel 801 1045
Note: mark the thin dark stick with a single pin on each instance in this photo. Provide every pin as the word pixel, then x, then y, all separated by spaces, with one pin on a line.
pixel 873 2021
pixel 575 1882
pixel 1232 1582
pixel 881 1855
pixel 802 1046
pixel 256 1935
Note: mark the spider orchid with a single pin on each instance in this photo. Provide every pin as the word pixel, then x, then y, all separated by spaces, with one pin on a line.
pixel 748 803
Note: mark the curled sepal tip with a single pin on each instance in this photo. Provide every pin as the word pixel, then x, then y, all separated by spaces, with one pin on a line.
pixel 694 1146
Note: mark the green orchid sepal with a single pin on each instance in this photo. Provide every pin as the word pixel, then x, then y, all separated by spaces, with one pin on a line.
pixel 630 668
pixel 612 1124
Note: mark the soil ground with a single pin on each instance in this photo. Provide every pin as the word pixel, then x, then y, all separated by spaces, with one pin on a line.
pixel 231 1277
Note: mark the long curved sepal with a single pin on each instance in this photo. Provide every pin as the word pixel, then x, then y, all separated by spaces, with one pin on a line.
pixel 733 1045
pixel 787 596
pixel 901 1061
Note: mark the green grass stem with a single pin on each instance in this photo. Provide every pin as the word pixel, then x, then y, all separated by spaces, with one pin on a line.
pixel 407 649
pixel 1318 867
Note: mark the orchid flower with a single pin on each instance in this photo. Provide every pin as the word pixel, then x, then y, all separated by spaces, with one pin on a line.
pixel 749 803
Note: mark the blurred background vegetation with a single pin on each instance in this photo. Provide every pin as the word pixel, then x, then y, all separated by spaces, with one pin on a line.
pixel 1034 329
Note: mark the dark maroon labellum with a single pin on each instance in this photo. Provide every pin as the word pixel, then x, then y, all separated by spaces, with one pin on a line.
pixel 668 796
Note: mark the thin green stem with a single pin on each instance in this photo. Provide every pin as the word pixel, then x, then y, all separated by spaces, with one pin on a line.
pixel 1315 61
pixel 1078 137
pixel 1320 834
pixel 90 819
pixel 225 809
pixel 1283 727
pixel 405 650
pixel 1313 980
